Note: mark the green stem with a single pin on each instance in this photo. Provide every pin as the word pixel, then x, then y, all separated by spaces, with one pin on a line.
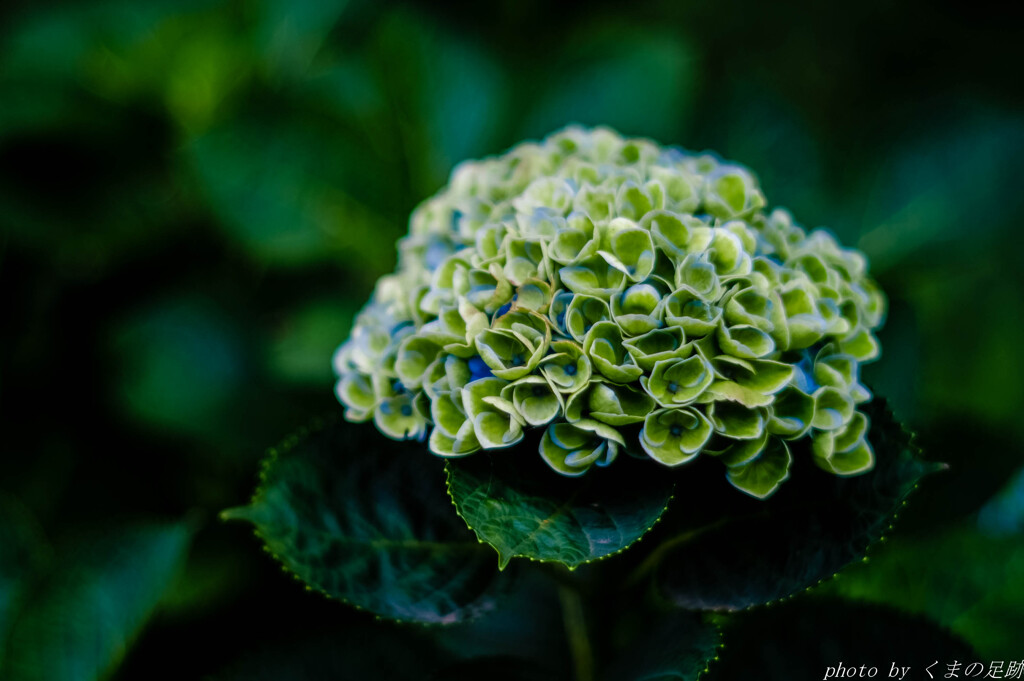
pixel 576 632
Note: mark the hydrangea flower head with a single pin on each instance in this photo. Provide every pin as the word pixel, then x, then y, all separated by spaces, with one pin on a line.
pixel 624 298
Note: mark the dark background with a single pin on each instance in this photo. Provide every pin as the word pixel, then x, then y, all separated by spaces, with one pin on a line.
pixel 196 197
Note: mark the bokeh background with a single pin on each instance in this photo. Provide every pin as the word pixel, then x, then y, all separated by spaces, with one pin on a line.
pixel 197 196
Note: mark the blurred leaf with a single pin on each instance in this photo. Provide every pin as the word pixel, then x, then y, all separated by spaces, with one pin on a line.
pixel 23 550
pixel 84 616
pixel 965 580
pixel 675 645
pixel 527 624
pixel 448 92
pixel 980 461
pixel 278 182
pixel 803 638
pixel 291 32
pixel 929 190
pixel 1004 514
pixel 730 553
pixel 364 518
pixel 522 508
pixel 181 364
pixel 602 80
pixel 302 351
pixel 769 135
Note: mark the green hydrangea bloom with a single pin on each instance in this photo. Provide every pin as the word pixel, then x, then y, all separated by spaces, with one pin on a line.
pixel 626 298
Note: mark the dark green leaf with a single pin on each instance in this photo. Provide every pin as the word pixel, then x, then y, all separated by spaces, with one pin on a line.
pixel 22 552
pixel 802 639
pixel 522 508
pixel 364 519
pixel 675 645
pixel 720 551
pixel 529 624
pixel 963 579
pixel 83 617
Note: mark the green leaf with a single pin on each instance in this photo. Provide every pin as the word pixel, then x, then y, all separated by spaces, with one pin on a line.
pixel 675 645
pixel 520 508
pixel 804 638
pixel 963 578
pixel 99 595
pixel 364 519
pixel 723 552
pixel 22 553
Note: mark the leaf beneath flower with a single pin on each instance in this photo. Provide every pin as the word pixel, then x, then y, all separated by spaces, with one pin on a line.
pixel 364 519
pixel 517 505
pixel 719 551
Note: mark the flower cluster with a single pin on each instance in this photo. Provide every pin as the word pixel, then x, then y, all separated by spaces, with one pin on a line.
pixel 626 298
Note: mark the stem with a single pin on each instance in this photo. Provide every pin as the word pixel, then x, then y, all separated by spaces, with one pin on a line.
pixel 576 632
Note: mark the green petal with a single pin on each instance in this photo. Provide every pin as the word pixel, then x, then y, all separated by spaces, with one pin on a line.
pixel 617 405
pixel 861 344
pixel 534 295
pixel 593 277
pixel 355 391
pixel 559 309
pixel 763 376
pixel 572 450
pixel 568 369
pixel 583 312
pixel 462 444
pixel 857 461
pixel 736 421
pixel 792 413
pixel 656 345
pixel 414 356
pixel 744 451
pixel 637 310
pixel 495 430
pixel 669 231
pixel 603 344
pixel 699 275
pixel 762 477
pixel 686 308
pixel 633 201
pixel 486 290
pixel 534 399
pixel 677 382
pixel 675 436
pixel 727 255
pixel 833 408
pixel 525 259
pixel 752 308
pixel 573 245
pixel 513 353
pixel 731 192
pixel 397 418
pixel 744 341
pixel 631 251
pixel 447 413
